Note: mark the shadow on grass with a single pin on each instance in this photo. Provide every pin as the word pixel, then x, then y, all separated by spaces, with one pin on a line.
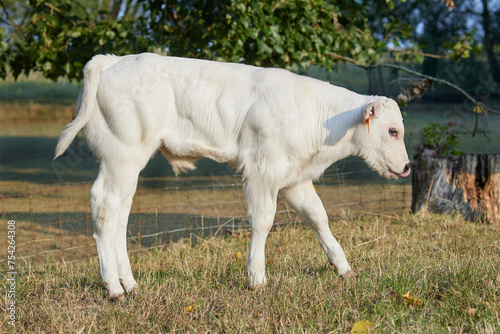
pixel 146 228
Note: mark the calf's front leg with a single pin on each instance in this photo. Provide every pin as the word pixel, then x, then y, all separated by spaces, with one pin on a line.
pixel 304 199
pixel 261 212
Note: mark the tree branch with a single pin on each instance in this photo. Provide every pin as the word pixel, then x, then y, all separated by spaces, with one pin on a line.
pixel 18 27
pixel 6 11
pixel 411 52
pixel 418 74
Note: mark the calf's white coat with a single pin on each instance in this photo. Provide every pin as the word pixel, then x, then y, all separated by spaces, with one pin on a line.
pixel 280 130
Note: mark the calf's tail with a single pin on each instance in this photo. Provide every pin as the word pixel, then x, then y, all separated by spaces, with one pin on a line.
pixel 86 101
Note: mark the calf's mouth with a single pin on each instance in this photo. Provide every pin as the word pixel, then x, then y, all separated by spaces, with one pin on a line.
pixel 390 174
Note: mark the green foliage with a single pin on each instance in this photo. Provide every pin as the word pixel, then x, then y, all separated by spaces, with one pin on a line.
pixel 59 36
pixel 3 58
pixel 461 46
pixel 294 34
pixel 441 139
pixel 58 43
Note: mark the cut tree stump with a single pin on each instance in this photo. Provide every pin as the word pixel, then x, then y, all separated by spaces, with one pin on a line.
pixel 469 185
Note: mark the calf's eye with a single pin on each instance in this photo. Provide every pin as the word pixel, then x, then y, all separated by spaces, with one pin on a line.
pixel 393 132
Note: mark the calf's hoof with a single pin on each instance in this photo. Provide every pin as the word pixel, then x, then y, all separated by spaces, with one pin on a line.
pixel 348 274
pixel 116 292
pixel 344 271
pixel 130 286
pixel 119 298
pixel 134 291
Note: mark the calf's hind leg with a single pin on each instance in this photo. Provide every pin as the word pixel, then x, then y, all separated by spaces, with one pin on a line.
pixel 124 270
pixel 110 200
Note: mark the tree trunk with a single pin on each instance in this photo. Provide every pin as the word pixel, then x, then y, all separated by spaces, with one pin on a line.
pixel 376 82
pixel 488 43
pixel 115 9
pixel 372 82
pixel 469 185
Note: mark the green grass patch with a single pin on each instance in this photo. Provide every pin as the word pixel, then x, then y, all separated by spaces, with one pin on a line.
pixel 39 90
pixel 448 266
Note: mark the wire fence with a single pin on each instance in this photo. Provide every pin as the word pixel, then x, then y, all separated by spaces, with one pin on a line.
pixel 53 220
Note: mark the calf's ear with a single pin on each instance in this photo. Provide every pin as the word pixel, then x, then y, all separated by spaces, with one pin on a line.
pixel 373 110
pixel 368 114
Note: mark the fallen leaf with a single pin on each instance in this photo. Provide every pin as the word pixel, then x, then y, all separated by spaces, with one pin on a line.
pixel 410 300
pixel 471 311
pixel 190 308
pixel 362 327
pixel 237 255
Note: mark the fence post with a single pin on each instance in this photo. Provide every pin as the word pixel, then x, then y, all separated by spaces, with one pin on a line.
pixel 138 201
pixel 31 223
pixel 58 208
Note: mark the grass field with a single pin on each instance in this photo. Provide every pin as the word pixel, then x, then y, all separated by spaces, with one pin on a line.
pixel 414 274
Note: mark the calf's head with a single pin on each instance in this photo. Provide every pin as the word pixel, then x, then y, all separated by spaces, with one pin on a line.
pixel 380 140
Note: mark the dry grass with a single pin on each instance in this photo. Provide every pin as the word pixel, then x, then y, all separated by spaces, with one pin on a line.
pixel 448 265
pixel 36 244
pixel 53 220
pixel 15 113
pixel 213 196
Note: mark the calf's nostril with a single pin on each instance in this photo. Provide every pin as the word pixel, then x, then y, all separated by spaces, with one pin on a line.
pixel 407 167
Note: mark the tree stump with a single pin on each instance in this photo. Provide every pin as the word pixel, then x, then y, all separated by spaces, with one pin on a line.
pixel 469 185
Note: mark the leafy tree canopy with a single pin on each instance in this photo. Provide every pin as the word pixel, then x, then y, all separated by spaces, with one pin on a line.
pixel 57 37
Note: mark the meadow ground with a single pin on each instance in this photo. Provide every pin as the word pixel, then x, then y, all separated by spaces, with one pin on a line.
pixel 427 274
pixel 413 274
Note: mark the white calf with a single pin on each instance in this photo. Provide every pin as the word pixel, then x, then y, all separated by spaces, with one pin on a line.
pixel 280 130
